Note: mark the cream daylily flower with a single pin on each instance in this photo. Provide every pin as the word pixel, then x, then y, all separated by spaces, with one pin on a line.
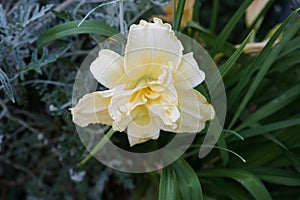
pixel 257 47
pixel 149 89
pixel 253 11
pixel 187 12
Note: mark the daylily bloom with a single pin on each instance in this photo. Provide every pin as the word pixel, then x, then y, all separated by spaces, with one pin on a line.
pixel 253 11
pixel 187 12
pixel 149 89
pixel 257 47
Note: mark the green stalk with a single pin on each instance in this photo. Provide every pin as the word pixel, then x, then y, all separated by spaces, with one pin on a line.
pixel 97 148
pixel 214 18
pixel 178 14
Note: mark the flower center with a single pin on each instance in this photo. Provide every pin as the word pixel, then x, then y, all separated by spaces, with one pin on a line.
pixel 150 98
pixel 145 95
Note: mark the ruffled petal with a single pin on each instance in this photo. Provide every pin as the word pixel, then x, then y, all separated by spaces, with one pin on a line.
pixel 152 44
pixel 194 112
pixel 93 108
pixel 143 127
pixel 166 107
pixel 167 114
pixel 136 140
pixel 189 72
pixel 108 68
pixel 122 103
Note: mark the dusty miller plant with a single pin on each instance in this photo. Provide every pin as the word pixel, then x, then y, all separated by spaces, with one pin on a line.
pixel 38 142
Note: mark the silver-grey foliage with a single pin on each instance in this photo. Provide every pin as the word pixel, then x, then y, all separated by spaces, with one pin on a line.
pixel 36 132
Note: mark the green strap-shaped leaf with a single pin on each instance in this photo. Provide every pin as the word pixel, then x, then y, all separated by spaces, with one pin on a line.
pixel 287 62
pixel 188 181
pixel 278 176
pixel 294 158
pixel 227 66
pixel 71 28
pixel 259 130
pixel 264 57
pixel 178 14
pixel 291 46
pixel 266 151
pixel 223 144
pixel 168 186
pixel 214 17
pixel 225 187
pixel 247 179
pixel 271 107
pixel 264 63
pixel 230 26
pixel 227 48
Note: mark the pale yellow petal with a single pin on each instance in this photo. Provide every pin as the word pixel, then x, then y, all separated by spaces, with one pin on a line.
pixel 144 126
pixel 108 68
pixel 122 104
pixel 254 10
pixel 152 44
pixel 92 108
pixel 194 112
pixel 137 140
pixel 163 81
pixel 167 114
pixel 189 72
pixel 166 108
pixel 119 110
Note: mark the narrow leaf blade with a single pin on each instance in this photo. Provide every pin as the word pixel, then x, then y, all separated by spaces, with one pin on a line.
pixel 188 181
pixel 71 28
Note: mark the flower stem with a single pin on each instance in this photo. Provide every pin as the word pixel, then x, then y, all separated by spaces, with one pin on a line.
pixel 100 144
